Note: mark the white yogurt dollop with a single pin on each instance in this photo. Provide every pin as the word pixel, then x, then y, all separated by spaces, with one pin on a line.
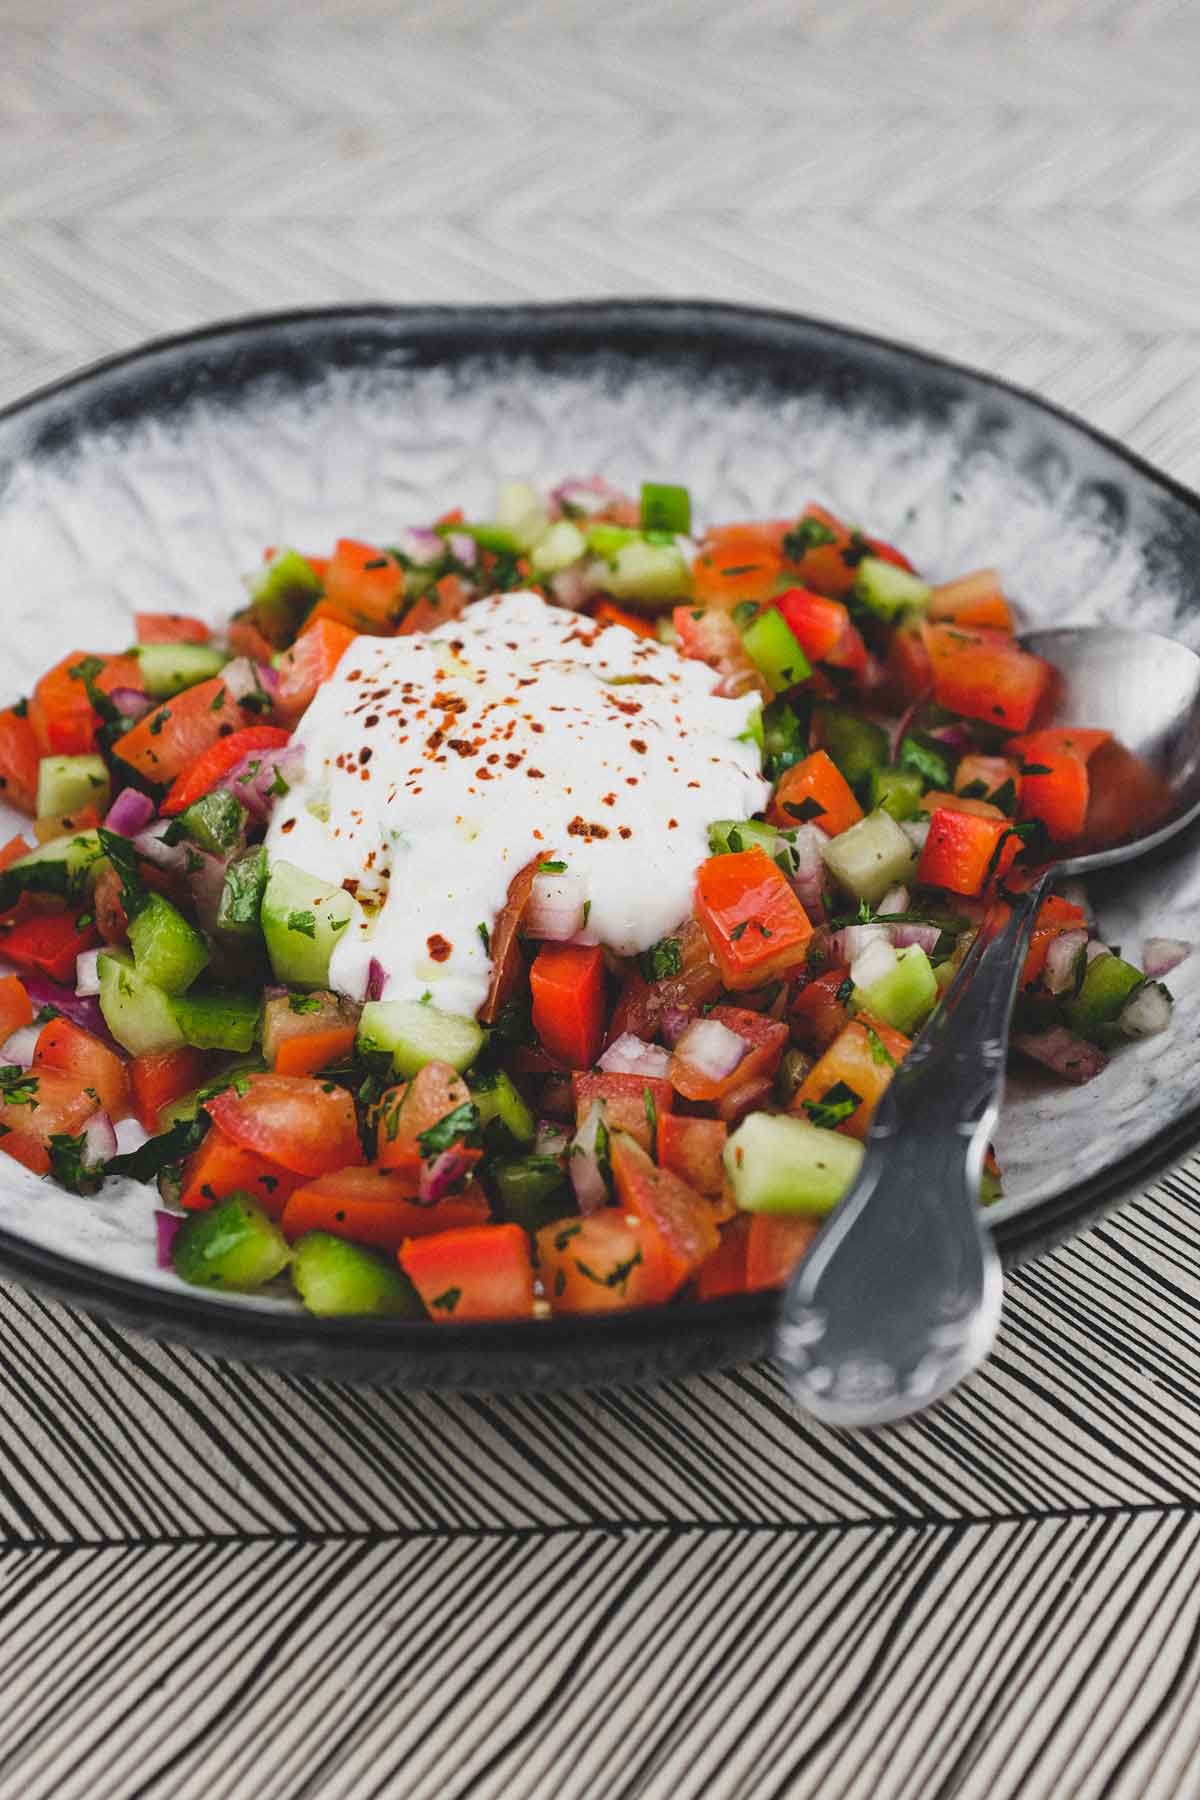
pixel 438 765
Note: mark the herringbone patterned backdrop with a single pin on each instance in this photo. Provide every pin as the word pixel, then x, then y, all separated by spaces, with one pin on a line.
pixel 223 1583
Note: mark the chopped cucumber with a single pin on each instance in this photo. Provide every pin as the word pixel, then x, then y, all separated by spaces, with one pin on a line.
pixel 239 910
pixel 59 867
pixel 557 548
pixel 496 1098
pixel 888 589
pixel 221 1019
pixel 139 1015
pixel 646 572
pixel 605 539
pixel 302 920
pixel 727 836
pixel 856 745
pixel 533 1191
pixel 169 953
pixel 775 651
pixel 903 994
pixel 217 822
pixel 870 857
pixel 783 741
pixel 666 508
pixel 283 592
pixel 413 1035
pixel 68 783
pixel 188 1105
pixel 521 512
pixel 169 668
pixel 233 1245
pixel 335 1278
pixel 1107 984
pixel 897 791
pixel 777 1163
pixel 496 538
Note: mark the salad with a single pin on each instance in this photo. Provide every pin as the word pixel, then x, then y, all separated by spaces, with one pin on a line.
pixel 524 917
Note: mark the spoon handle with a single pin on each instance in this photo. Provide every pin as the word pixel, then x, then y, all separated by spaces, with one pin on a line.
pixel 899 1297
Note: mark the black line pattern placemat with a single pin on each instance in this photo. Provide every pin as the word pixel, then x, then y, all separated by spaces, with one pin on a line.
pixel 218 1582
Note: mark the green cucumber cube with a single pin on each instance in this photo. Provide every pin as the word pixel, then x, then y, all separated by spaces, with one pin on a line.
pixel 283 592
pixel 888 589
pixel 139 1015
pixel 239 910
pixel 645 572
pixel 496 1097
pixel 59 867
pixel 904 994
pixel 217 822
pixel 558 548
pixel 303 919
pixel 168 951
pixel 169 668
pixel 533 1191
pixel 775 651
pixel 857 746
pixel 221 1019
pixel 897 791
pixel 777 1163
pixel 870 857
pixel 335 1278
pixel 1108 982
pixel 521 511
pixel 413 1034
pixel 66 784
pixel 666 508
pixel 233 1245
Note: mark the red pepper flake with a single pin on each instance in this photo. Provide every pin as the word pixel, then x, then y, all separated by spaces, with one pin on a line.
pixel 638 744
pixel 580 827
pixel 288 825
pixel 624 831
pixel 438 947
pixel 535 774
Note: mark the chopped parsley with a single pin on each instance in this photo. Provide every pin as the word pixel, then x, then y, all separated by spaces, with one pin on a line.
pixel 551 868
pixel 159 720
pixel 455 1128
pixel 123 857
pixel 304 923
pixel 18 1087
pixel 805 810
pixel 808 533
pixel 924 761
pixel 662 959
pixel 618 1275
pixel 303 1003
pixel 879 1051
pixel 485 937
pixel 447 1301
pixel 651 1120
pixel 68 1165
pixel 838 1104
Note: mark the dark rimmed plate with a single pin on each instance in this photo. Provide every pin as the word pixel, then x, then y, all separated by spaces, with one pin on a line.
pixel 154 479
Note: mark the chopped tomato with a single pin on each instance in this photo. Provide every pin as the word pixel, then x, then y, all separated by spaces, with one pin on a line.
pixel 724 1272
pixel 170 628
pixel 19 758
pixel 52 826
pixel 815 792
pixel 219 760
pixel 973 600
pixel 1055 786
pixel 220 1168
pixel 683 1218
pixel 818 1011
pixel 161 1077
pixel 908 669
pixel 48 943
pixel 175 736
pixel 1055 915
pixel 692 1149
pixel 710 636
pixel 364 582
pixel 374 1206
pixel 819 625
pixel 443 602
pixel 738 562
pixel 476 1273
pixel 606 1262
pixel 309 663
pixel 1126 795
pixel 991 773
pixel 247 638
pixel 861 1060
pixel 608 614
pixel 16 1008
pixel 61 1108
pixel 508 964
pixel 756 926
pixel 879 547
pixel 641 1004
pixel 306 1125
pixel 15 848
pixel 68 1047
pixel 984 675
pixel 980 809
pixel 821 550
pixel 308 1052
pixel 567 982
pixel 302 1037
pixel 60 712
pixel 631 1102
pixel 775 1244
pixel 405 1111
pixel 964 852
pixel 765 1038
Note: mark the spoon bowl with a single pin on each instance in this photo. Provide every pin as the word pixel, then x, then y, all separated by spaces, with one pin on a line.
pixel 899 1297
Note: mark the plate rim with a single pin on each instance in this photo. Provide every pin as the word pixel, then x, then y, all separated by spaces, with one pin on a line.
pixel 742 1321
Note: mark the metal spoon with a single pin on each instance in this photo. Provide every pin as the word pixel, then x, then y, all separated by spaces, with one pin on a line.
pixel 899 1297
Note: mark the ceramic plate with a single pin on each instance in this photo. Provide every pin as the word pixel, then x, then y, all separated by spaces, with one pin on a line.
pixel 153 481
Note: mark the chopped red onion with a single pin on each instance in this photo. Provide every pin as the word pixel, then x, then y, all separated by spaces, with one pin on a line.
pixel 463 548
pixel 19 1048
pixel 255 779
pixel 955 735
pixel 1060 1050
pixel 418 545
pixel 167 1225
pixel 551 1139
pixel 557 907
pixel 631 1055
pixel 87 973
pixel 570 588
pixel 900 729
pixel 130 702
pixel 590 495
pixel 914 932
pixel 99 1141
pixel 896 900
pixel 149 843
pixel 674 1021
pixel 583 1162
pixel 241 678
pixel 808 876
pixel 1147 1011
pixel 376 979
pixel 851 942
pixel 82 1009
pixel 1061 959
pixel 268 677
pixel 916 831
pixel 129 813
pixel 206 879
pixel 875 961
pixel 444 1172
pixel 711 1049
pixel 1161 954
